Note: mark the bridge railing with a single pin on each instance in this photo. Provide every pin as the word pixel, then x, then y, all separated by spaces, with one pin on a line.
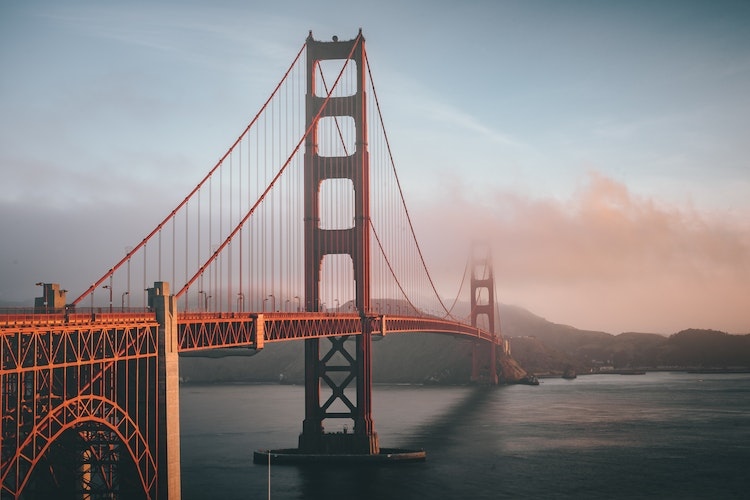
pixel 27 317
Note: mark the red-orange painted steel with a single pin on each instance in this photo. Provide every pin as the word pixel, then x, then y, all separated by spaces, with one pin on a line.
pixel 89 377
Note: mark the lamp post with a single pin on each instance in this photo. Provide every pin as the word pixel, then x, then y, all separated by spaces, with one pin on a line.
pixel 299 303
pixel 109 287
pixel 122 300
pixel 273 302
pixel 240 301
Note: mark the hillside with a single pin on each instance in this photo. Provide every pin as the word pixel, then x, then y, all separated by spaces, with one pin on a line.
pixel 543 347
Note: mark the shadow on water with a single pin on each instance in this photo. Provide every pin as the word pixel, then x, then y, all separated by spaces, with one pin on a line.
pixel 443 430
pixel 438 436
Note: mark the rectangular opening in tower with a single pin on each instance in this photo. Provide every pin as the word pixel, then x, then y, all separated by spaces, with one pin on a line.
pixel 336 202
pixel 482 296
pixel 337 136
pixel 480 271
pixel 337 290
pixel 483 321
pixel 326 73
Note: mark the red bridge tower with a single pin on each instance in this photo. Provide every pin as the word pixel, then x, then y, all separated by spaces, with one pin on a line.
pixel 328 361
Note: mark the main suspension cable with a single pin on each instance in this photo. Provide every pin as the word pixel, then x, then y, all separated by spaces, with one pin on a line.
pixel 403 201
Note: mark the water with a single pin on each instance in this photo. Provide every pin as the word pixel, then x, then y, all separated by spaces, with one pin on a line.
pixel 660 435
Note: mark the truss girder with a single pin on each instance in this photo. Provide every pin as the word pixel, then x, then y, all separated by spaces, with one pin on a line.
pixel 40 348
pixel 311 325
pixel 408 324
pixel 200 331
pixel 59 375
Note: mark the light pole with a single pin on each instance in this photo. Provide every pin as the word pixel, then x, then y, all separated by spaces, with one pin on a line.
pixel 122 300
pixel 299 303
pixel 240 301
pixel 273 302
pixel 109 287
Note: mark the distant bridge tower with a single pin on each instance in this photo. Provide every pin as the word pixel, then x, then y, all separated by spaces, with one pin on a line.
pixel 484 356
pixel 330 362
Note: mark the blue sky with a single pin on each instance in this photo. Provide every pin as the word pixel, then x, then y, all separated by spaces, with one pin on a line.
pixel 582 128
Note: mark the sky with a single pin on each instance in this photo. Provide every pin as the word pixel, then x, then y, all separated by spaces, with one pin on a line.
pixel 602 147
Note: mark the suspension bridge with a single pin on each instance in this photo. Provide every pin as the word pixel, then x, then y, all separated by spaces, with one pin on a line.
pixel 299 232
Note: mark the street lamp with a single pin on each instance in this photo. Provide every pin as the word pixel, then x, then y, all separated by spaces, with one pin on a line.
pixel 273 302
pixel 109 287
pixel 299 303
pixel 122 300
pixel 240 301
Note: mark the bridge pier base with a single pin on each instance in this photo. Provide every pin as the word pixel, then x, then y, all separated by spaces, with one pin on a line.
pixel 339 443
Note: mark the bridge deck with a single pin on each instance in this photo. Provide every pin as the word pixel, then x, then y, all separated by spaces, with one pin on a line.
pixel 208 330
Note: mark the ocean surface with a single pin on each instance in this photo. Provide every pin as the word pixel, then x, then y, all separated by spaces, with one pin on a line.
pixel 658 435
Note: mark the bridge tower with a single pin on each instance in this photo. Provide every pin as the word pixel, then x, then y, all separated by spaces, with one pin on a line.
pixel 484 355
pixel 328 362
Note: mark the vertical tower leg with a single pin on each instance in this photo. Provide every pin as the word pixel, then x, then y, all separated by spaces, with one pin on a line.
pixel 168 395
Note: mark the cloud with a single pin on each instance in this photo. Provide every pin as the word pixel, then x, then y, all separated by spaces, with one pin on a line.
pixel 605 258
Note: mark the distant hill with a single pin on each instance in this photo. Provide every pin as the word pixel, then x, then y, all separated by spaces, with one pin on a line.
pixel 543 347
pixel 538 345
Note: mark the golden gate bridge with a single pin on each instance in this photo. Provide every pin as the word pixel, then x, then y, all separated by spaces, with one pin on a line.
pixel 299 232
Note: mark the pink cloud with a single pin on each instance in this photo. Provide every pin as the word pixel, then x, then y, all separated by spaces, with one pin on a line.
pixel 605 258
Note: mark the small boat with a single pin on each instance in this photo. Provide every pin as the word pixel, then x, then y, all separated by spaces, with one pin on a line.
pixel 569 373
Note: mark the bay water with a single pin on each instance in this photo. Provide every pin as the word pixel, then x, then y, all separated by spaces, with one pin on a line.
pixel 660 435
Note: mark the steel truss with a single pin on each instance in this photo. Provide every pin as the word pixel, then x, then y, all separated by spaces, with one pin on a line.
pixel 92 380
